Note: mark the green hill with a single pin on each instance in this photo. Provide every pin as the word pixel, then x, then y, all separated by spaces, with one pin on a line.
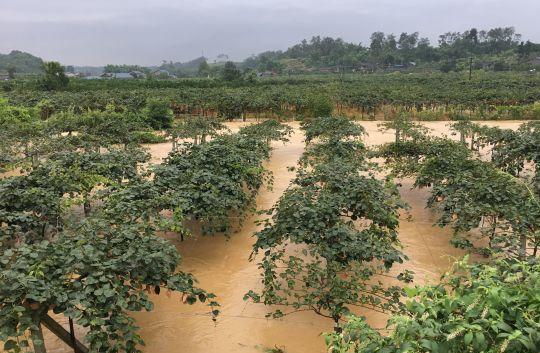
pixel 24 63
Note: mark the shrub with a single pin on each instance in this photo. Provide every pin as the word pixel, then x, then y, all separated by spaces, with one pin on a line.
pixel 148 137
pixel 486 308
pixel 319 106
pixel 158 114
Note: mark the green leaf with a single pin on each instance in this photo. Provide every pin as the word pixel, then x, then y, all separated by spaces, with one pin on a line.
pixel 10 344
pixel 467 339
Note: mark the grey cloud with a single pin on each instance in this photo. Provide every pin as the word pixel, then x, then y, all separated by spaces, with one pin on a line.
pixel 99 32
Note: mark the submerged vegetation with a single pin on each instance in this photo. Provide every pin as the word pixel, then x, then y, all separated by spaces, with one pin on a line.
pixel 83 211
pixel 494 211
pixel 344 221
pixel 81 217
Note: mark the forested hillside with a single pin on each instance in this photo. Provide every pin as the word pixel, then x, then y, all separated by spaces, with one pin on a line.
pixel 497 49
pixel 20 62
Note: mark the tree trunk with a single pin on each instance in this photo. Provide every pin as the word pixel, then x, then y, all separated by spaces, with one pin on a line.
pixel 66 337
pixel 35 161
pixel 493 230
pixel 522 247
pixel 337 327
pixel 87 208
pixel 36 334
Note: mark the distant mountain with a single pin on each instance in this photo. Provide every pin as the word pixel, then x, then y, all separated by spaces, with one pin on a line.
pixel 24 63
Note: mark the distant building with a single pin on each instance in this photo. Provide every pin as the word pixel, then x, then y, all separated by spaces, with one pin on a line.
pixel 94 77
pixel 266 74
pixel 327 69
pixel 74 74
pixel 160 73
pixel 4 76
pixel 123 76
pixel 536 61
pixel 137 74
pixel 364 67
pixel 120 75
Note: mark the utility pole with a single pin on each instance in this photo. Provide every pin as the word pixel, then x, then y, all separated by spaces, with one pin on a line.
pixel 470 68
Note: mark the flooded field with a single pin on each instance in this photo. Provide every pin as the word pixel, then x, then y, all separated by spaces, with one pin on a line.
pixel 222 267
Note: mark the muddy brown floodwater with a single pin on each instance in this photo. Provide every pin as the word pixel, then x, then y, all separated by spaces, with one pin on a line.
pixel 222 267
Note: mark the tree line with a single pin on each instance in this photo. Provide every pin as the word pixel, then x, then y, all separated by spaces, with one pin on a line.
pixel 497 48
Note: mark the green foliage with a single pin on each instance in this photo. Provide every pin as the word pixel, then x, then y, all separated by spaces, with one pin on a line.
pixel 323 235
pixel 331 128
pixel 511 150
pixel 318 106
pixel 97 268
pixel 405 129
pixel 268 130
pixel 21 134
pixel 466 129
pixel 33 206
pixel 472 195
pixel 492 49
pixel 230 72
pixel 189 68
pixel 95 273
pixel 23 63
pixel 158 114
pixel 204 68
pixel 27 139
pixel 449 65
pixel 149 137
pixel 195 128
pixel 214 180
pixel 485 97
pixel 479 308
pixel 405 158
pixel 29 210
pixel 54 78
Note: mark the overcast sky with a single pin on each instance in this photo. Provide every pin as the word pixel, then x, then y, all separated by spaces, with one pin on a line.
pixel 98 32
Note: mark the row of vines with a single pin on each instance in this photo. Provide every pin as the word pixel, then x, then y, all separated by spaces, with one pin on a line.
pixel 428 97
pixel 81 211
pixel 332 237
pixel 485 187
